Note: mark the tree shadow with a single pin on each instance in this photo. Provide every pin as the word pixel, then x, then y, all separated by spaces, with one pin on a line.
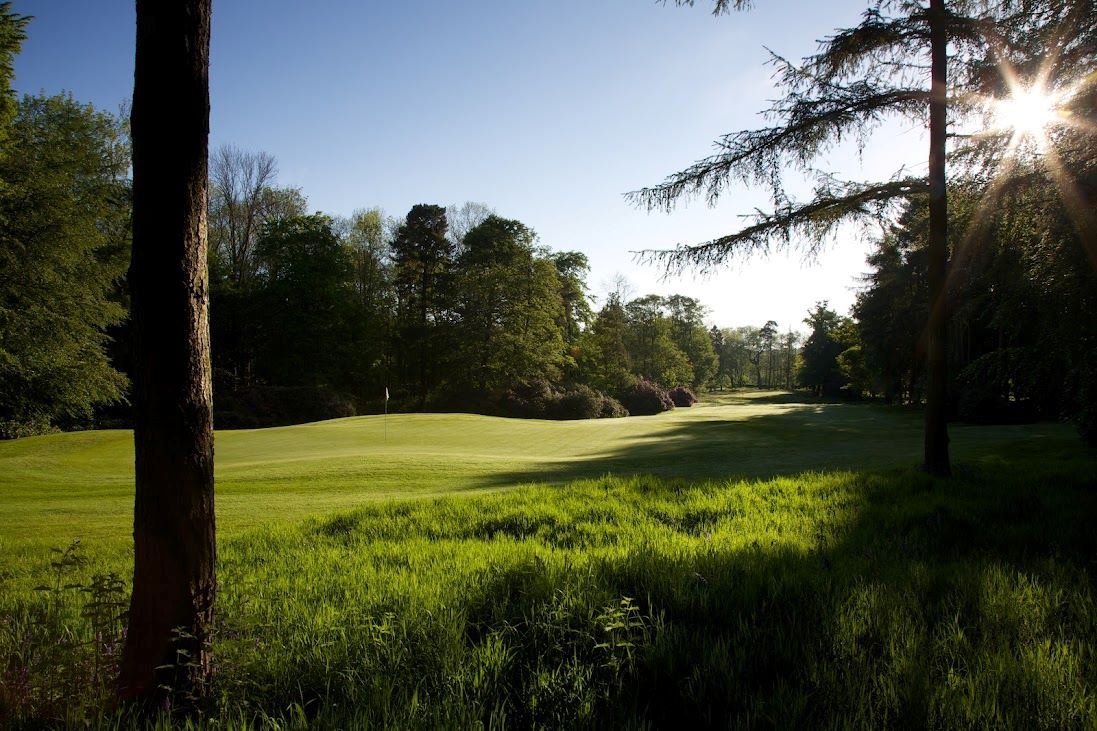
pixel 871 599
pixel 802 435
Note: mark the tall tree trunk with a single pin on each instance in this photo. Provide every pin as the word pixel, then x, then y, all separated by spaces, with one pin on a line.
pixel 936 436
pixel 173 529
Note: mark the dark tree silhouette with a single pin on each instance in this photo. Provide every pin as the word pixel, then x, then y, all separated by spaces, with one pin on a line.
pixel 166 651
pixel 860 76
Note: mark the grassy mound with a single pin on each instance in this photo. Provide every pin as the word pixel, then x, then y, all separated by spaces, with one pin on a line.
pixel 725 574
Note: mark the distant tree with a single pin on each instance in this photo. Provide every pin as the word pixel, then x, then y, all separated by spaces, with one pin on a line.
pixel 734 354
pixel 831 335
pixel 790 344
pixel 369 241
pixel 755 346
pixel 242 201
pixel 509 307
pixel 12 34
pixel 890 309
pixel 572 268
pixel 64 245
pixel 171 609
pixel 687 330
pixel 652 351
pixel 768 337
pixel 422 258
pixel 603 357
pixel 239 181
pixel 305 299
pixel 463 218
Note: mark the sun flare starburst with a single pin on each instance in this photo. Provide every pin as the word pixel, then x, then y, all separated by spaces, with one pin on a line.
pixel 1028 112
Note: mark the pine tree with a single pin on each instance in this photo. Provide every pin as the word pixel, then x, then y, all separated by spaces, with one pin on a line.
pixel 859 77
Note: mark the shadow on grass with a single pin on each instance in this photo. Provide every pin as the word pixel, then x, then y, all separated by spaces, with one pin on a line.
pixel 865 600
pixel 806 435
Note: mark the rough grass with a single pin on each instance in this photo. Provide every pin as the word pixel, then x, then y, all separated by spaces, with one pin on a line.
pixel 823 598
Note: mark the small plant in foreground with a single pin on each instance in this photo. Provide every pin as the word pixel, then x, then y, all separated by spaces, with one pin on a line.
pixel 63 650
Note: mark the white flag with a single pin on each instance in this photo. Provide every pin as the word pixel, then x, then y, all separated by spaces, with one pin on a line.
pixel 386 393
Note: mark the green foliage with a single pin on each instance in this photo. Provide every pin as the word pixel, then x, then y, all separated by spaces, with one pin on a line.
pixel 303 303
pixel 509 308
pixel 604 360
pixel 831 335
pixel 422 258
pixel 572 268
pixel 12 34
pixel 688 331
pixel 652 351
pixel 71 638
pixel 64 245
pixel 1022 292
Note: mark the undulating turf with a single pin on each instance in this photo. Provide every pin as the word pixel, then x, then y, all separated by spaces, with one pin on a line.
pixel 61 487
pixel 773 597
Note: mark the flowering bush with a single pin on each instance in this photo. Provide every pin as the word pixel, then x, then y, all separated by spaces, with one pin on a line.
pixel 682 396
pixel 645 398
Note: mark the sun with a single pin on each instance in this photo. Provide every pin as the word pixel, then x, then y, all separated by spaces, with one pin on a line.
pixel 1028 112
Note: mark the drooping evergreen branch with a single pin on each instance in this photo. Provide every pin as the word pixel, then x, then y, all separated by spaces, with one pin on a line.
pixel 810 126
pixel 834 202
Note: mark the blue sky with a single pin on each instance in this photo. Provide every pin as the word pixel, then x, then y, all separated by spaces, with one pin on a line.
pixel 546 111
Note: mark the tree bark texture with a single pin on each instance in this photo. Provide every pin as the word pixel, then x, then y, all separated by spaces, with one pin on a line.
pixel 166 655
pixel 936 460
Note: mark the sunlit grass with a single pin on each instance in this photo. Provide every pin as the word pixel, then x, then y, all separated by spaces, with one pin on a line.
pixel 863 598
pixel 62 487
pixel 850 599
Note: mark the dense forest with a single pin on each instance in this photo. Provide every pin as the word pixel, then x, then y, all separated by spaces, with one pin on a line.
pixel 459 308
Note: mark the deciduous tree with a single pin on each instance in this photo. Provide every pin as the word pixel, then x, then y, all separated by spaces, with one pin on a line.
pixel 423 255
pixel 64 243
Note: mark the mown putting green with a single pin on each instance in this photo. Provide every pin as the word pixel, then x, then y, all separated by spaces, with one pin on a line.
pixel 58 488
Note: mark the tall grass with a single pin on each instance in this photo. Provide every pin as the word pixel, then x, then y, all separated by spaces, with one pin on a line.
pixel 831 599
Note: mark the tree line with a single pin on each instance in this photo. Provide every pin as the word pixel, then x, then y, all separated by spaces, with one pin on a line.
pixel 460 308
pixel 446 308
pixel 314 316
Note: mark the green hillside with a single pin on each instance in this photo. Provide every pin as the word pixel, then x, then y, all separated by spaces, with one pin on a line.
pixel 61 487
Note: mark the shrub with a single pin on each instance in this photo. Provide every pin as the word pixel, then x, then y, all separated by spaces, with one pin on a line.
pixel 612 408
pixel 645 398
pixel 528 400
pixel 539 399
pixel 30 426
pixel 682 396
pixel 579 402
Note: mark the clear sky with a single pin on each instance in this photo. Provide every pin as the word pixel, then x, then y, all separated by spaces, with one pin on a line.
pixel 545 110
